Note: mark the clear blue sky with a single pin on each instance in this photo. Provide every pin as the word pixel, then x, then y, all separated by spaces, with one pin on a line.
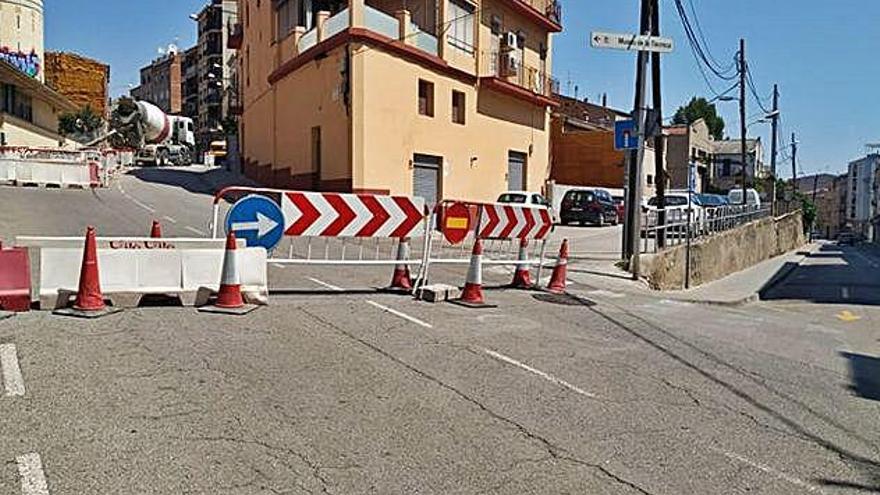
pixel 822 54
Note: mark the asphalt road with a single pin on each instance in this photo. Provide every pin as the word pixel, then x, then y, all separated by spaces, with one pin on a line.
pixel 328 391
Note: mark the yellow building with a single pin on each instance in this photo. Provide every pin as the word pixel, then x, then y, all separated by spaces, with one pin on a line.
pixel 29 111
pixel 449 99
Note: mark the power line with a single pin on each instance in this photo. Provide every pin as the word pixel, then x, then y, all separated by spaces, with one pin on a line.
pixel 754 90
pixel 702 53
pixel 696 19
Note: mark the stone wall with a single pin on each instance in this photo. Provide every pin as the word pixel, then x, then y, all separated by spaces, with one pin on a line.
pixel 729 252
pixel 82 80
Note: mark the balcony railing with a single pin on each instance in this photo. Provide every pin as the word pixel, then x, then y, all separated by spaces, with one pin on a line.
pixel 506 66
pixel 552 9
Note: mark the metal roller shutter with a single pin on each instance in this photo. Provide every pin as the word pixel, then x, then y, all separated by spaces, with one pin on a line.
pixel 516 171
pixel 426 178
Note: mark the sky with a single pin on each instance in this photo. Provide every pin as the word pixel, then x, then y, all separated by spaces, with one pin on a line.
pixel 822 54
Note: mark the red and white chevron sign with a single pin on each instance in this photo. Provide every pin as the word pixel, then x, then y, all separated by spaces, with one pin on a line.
pixel 503 221
pixel 311 214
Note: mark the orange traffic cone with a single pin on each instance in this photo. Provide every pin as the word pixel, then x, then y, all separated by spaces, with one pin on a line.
pixel 156 230
pixel 472 294
pixel 560 271
pixel 229 298
pixel 522 279
pixel 89 301
pixel 401 280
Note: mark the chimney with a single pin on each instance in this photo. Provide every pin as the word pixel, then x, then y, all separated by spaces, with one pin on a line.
pixel 604 100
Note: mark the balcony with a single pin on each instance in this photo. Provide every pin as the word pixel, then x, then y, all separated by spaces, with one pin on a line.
pixel 546 12
pixel 506 73
pixel 235 36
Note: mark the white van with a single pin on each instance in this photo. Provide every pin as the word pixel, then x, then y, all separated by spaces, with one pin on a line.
pixel 735 196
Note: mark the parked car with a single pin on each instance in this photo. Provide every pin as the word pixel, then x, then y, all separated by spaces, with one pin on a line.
pixel 524 198
pixel 752 197
pixel 583 206
pixel 713 200
pixel 676 211
pixel 620 202
pixel 846 239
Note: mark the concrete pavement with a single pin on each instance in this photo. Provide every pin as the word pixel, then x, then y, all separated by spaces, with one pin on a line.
pixel 613 391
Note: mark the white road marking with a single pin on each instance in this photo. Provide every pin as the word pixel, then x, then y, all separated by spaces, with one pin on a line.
pixel 169 219
pixel 195 230
pixel 548 377
pixel 770 471
pixel 400 314
pixel 30 469
pixel 277 265
pixel 325 284
pixel 844 292
pixel 12 379
pixel 143 205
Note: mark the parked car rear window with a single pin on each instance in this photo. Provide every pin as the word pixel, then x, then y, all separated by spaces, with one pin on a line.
pixel 512 198
pixel 670 201
pixel 579 196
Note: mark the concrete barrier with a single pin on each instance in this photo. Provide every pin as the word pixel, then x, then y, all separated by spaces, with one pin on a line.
pixel 132 267
pixel 15 281
pixel 48 173
pixel 720 255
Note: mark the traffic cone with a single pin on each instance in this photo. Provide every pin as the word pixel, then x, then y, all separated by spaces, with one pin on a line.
pixel 401 280
pixel 89 301
pixel 560 271
pixel 472 295
pixel 156 230
pixel 229 299
pixel 522 279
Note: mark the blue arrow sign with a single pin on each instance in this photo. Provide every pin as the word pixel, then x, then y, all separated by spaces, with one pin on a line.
pixel 625 137
pixel 258 220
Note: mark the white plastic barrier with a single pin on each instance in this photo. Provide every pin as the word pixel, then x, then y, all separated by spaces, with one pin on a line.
pixel 61 174
pixel 7 171
pixel 138 266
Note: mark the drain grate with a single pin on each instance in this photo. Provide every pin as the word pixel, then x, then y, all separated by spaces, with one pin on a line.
pixel 563 299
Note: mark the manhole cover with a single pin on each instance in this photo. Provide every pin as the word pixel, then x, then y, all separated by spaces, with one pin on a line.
pixel 563 299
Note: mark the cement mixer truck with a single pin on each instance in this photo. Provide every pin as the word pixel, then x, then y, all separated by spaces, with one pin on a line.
pixel 160 139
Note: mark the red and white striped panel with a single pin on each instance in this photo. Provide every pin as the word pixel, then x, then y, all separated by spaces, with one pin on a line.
pixel 311 214
pixel 504 221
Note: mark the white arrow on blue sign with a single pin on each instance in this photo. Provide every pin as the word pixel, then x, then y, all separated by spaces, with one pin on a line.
pixel 258 220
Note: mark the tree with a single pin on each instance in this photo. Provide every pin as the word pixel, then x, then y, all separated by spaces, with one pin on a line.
pixel 83 122
pixel 700 108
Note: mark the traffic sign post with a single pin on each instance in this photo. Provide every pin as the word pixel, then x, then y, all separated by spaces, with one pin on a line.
pixel 625 135
pixel 258 220
pixel 632 42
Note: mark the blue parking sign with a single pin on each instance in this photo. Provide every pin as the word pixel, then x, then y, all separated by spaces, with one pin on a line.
pixel 625 136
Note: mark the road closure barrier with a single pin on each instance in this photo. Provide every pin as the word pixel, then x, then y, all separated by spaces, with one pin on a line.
pixel 15 280
pixel 133 267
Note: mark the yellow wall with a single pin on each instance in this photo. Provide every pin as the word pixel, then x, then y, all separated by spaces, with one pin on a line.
pixel 22 133
pixel 389 130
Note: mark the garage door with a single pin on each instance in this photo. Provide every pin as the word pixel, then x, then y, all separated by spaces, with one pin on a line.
pixel 516 171
pixel 426 178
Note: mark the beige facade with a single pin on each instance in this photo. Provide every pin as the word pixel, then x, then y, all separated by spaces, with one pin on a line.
pixel 369 97
pixel 29 111
pixel 21 35
pixel 686 144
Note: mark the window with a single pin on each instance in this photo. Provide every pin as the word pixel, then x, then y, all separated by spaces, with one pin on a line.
pixel 426 98
pixel 458 107
pixel 460 33
pixel 287 15
pixel 650 179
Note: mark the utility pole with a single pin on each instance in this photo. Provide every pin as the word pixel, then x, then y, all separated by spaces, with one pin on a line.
pixel 634 168
pixel 794 145
pixel 659 144
pixel 815 206
pixel 742 116
pixel 773 147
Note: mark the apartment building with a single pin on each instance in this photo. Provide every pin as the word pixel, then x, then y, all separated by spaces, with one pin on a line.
pixel 189 73
pixel 688 144
pixel 213 72
pixel 161 82
pixel 436 98
pixel 860 194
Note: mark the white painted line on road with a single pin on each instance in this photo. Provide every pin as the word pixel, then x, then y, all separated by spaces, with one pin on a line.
pixel 171 220
pixel 195 230
pixel 143 205
pixel 278 265
pixel 325 284
pixel 12 379
pixel 769 470
pixel 548 377
pixel 400 314
pixel 30 469
pixel 844 292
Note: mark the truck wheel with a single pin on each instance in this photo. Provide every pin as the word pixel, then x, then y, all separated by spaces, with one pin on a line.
pixel 162 158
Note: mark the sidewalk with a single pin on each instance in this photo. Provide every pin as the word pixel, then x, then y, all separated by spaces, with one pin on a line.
pixel 743 287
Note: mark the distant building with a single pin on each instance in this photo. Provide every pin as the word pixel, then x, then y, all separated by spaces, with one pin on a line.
pixel 582 148
pixel 830 194
pixel 688 144
pixel 728 163
pixel 161 82
pixel 21 36
pixel 84 81
pixel 213 70
pixel 189 70
pixel 860 208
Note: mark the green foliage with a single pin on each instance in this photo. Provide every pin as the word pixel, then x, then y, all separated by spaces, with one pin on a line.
pixel 82 122
pixel 700 108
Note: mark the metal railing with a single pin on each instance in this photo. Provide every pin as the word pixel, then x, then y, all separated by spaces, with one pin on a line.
pixel 512 70
pixel 699 224
pixel 552 9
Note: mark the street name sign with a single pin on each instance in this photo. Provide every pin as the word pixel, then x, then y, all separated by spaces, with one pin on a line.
pixel 631 42
pixel 258 220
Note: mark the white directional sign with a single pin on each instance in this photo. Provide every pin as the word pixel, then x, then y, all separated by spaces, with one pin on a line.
pixel 631 42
